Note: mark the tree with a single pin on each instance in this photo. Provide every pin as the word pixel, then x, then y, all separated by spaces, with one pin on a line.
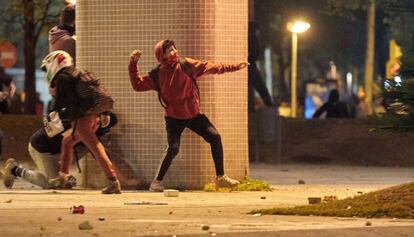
pixel 400 99
pixel 400 25
pixel 33 17
pixel 324 42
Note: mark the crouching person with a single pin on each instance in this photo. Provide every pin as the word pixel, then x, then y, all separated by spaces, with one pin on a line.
pixel 83 101
pixel 45 152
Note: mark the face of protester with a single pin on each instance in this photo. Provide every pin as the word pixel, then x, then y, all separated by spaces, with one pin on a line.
pixel 171 54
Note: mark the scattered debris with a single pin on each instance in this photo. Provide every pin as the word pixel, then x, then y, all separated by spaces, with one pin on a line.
pixel 77 209
pixel 245 185
pixel 85 226
pixel 145 203
pixel 330 198
pixel 205 227
pixel 171 193
pixel 8 201
pixel 301 181
pixel 392 202
pixel 101 218
pixel 262 197
pixel 314 200
pixel 368 223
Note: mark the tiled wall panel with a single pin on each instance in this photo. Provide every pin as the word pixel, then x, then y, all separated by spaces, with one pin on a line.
pixel 213 30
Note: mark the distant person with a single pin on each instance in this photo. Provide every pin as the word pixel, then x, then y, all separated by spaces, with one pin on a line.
pixel 255 81
pixel 333 107
pixel 61 37
pixel 7 90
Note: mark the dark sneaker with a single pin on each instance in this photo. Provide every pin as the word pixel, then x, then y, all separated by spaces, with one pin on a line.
pixel 226 182
pixel 156 186
pixel 8 177
pixel 60 182
pixel 71 182
pixel 112 187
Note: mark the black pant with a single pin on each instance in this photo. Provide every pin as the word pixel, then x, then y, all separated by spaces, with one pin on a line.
pixel 200 125
pixel 4 107
pixel 255 82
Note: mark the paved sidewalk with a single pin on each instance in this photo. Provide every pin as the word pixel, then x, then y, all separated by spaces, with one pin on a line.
pixel 36 212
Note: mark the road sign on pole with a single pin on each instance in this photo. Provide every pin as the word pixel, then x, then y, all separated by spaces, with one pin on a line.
pixel 8 54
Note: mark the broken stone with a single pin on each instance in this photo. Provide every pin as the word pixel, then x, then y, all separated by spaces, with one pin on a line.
pixel 171 213
pixel 301 181
pixel 8 201
pixel 171 193
pixel 262 197
pixel 330 198
pixel 257 214
pixel 42 228
pixel 85 226
pixel 314 200
pixel 59 218
pixel 205 227
pixel 101 218
pixel 368 223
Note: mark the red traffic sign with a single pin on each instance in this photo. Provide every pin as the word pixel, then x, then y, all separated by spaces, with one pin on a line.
pixel 8 54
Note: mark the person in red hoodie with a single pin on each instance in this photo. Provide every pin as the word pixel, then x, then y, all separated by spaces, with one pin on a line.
pixel 178 93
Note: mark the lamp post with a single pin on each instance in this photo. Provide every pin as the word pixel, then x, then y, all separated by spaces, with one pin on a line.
pixel 296 28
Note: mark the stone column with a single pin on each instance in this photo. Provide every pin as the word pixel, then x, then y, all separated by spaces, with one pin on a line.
pixel 213 30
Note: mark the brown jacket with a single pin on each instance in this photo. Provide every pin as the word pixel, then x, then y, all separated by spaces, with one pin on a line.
pixel 62 40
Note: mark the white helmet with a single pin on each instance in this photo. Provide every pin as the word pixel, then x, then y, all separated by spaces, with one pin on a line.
pixel 54 62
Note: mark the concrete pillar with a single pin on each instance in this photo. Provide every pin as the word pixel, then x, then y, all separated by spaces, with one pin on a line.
pixel 213 30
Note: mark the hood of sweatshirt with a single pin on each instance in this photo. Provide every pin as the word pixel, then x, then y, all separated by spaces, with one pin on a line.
pixel 159 54
pixel 56 33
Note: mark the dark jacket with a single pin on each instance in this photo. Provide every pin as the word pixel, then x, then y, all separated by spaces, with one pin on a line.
pixel 66 94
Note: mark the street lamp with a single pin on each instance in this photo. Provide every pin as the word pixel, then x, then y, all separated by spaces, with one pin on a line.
pixel 296 28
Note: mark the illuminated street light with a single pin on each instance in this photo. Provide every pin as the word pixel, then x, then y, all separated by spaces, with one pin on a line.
pixel 296 28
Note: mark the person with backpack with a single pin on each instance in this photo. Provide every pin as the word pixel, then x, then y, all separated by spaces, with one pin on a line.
pixel 45 152
pixel 80 100
pixel 175 81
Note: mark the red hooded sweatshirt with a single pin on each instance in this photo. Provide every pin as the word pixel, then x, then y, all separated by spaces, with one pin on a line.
pixel 177 88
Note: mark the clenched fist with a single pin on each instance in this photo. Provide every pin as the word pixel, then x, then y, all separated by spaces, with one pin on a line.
pixel 135 55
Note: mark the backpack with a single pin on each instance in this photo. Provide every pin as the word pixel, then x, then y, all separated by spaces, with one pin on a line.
pixel 95 99
pixel 156 80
